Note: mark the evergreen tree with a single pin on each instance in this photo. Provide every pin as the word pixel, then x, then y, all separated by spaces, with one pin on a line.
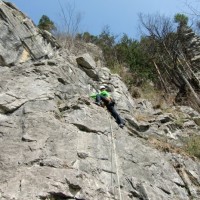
pixel 46 24
pixel 181 19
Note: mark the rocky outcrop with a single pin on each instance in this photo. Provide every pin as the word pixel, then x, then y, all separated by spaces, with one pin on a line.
pixel 20 39
pixel 55 143
pixel 190 43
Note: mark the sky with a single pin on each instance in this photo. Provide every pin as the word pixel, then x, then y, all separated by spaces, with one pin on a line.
pixel 121 16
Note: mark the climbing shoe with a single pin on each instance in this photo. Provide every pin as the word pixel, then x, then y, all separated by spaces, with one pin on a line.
pixel 98 103
pixel 121 125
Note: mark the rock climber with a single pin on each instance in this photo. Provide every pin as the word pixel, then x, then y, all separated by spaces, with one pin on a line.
pixel 103 98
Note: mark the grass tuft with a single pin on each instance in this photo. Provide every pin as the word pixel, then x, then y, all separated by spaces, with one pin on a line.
pixel 193 146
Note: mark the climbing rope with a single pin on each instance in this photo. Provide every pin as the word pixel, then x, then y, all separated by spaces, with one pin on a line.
pixel 116 163
pixel 111 155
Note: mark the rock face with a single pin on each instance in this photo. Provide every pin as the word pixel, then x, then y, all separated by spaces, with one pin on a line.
pixel 190 43
pixel 20 39
pixel 55 143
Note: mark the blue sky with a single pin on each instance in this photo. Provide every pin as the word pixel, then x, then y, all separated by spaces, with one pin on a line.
pixel 120 15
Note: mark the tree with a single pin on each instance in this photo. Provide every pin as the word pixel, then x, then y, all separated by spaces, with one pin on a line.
pixel 129 51
pixel 160 44
pixel 169 54
pixel 67 31
pixel 181 19
pixel 87 37
pixel 106 41
pixel 71 19
pixel 46 24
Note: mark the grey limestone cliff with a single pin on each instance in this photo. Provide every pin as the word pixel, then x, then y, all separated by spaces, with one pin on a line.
pixel 20 39
pixel 55 143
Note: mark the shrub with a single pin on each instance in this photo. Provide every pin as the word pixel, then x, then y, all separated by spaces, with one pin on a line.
pixel 193 146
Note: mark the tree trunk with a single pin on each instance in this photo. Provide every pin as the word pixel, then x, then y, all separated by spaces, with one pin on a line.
pixel 189 86
pixel 184 78
pixel 160 77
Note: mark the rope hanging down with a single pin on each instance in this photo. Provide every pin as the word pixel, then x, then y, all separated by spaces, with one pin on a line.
pixel 116 163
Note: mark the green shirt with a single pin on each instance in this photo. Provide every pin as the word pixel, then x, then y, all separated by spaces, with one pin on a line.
pixel 103 93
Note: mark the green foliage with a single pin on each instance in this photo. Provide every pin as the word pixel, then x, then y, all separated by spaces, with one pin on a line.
pixel 181 19
pixel 106 41
pixel 125 57
pixel 179 122
pixel 87 37
pixel 131 52
pixel 193 146
pixel 122 49
pixel 46 24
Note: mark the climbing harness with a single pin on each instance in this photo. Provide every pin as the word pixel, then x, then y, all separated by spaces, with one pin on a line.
pixel 113 149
